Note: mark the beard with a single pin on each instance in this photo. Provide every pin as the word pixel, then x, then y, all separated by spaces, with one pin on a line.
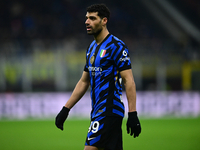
pixel 94 32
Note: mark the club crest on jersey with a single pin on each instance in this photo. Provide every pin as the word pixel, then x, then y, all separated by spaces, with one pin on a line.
pixel 92 59
pixel 102 53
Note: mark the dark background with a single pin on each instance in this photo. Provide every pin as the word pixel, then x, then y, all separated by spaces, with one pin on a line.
pixel 42 43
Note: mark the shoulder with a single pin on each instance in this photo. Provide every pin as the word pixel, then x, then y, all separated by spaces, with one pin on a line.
pixel 90 46
pixel 118 42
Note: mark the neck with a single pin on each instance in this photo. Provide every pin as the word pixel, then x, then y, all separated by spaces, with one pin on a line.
pixel 101 36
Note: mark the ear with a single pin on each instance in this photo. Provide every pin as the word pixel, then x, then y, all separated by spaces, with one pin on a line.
pixel 104 21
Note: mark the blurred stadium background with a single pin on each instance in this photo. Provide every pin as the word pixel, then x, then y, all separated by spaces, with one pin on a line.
pixel 42 56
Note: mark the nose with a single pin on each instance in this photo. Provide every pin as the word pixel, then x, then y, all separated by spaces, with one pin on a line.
pixel 86 21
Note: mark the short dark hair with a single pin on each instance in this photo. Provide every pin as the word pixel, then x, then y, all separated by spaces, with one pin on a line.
pixel 102 10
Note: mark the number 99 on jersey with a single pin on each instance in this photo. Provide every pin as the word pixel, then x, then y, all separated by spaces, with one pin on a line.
pixel 94 127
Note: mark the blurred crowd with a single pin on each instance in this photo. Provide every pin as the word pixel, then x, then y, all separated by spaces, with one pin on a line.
pixel 37 32
pixel 55 19
pixel 22 22
pixel 61 19
pixel 37 19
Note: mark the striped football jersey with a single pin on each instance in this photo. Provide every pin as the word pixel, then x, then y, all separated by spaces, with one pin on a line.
pixel 104 63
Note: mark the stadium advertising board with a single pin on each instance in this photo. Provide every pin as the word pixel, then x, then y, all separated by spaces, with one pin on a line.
pixel 47 105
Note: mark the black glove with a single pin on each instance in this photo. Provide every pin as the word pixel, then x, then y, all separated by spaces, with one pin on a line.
pixel 133 124
pixel 61 117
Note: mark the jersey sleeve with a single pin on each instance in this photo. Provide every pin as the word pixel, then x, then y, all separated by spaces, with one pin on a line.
pixel 86 65
pixel 86 68
pixel 86 62
pixel 122 58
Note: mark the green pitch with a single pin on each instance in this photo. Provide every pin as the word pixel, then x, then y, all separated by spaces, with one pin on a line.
pixel 157 134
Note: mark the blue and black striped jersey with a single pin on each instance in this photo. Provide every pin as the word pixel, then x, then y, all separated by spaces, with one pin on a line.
pixel 104 63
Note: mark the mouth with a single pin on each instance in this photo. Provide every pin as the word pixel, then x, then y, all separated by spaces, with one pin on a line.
pixel 88 28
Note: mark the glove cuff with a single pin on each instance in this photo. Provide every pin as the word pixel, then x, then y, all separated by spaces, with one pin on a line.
pixel 132 114
pixel 65 109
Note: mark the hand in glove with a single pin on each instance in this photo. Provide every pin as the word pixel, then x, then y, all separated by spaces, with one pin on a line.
pixel 61 117
pixel 133 124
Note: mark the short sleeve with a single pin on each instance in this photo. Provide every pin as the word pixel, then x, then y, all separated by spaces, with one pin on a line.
pixel 86 68
pixel 122 58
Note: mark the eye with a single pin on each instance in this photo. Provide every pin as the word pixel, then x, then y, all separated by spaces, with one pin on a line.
pixel 92 18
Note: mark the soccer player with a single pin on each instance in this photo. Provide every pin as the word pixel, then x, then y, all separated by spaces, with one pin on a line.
pixel 107 65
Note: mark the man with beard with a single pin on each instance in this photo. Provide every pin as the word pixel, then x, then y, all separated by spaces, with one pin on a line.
pixel 107 65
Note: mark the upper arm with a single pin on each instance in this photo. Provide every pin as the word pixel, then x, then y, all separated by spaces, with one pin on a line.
pixel 127 76
pixel 85 77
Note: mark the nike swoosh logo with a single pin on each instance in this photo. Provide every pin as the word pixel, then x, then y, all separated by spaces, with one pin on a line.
pixel 91 138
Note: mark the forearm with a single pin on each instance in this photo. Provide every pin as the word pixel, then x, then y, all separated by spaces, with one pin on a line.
pixel 130 88
pixel 79 91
